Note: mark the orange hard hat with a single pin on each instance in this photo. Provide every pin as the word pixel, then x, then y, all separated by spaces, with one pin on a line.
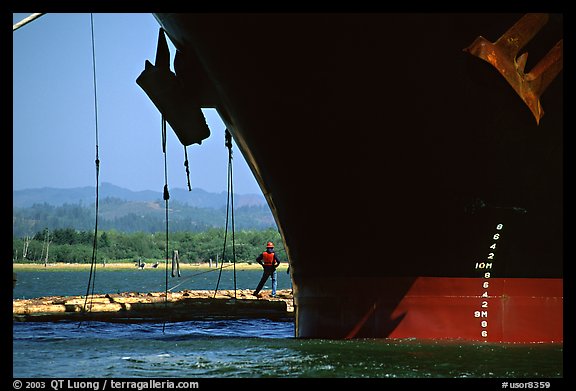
pixel 269 244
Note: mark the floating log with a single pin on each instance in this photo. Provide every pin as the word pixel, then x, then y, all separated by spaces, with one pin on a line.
pixel 142 307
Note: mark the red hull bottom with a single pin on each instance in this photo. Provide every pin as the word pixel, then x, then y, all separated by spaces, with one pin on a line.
pixel 521 310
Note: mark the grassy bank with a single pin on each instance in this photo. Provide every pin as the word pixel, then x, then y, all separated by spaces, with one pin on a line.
pixel 61 266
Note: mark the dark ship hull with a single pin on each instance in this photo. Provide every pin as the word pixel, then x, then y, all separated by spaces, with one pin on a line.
pixel 416 194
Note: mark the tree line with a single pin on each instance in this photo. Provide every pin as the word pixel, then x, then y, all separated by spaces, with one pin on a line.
pixel 76 246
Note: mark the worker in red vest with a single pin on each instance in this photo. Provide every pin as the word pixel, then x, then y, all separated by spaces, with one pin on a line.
pixel 269 262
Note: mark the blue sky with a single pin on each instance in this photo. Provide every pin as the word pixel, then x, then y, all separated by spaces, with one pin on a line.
pixel 54 134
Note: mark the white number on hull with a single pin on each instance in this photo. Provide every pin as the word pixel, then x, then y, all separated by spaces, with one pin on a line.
pixel 486 284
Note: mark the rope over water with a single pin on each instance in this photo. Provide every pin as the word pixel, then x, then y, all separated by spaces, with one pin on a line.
pixel 230 202
pixel 92 277
pixel 166 197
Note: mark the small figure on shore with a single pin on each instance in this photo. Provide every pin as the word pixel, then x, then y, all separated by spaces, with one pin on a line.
pixel 269 262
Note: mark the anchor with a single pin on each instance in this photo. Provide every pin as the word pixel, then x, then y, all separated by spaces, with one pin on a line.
pixel 503 53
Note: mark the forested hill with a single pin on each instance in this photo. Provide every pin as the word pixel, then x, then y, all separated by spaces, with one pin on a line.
pixel 86 195
pixel 128 211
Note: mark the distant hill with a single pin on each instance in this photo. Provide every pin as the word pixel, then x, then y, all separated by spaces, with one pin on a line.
pixel 133 211
pixel 86 196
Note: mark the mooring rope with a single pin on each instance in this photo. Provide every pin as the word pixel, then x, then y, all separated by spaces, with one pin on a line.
pixel 166 197
pixel 230 199
pixel 186 279
pixel 231 193
pixel 187 168
pixel 92 277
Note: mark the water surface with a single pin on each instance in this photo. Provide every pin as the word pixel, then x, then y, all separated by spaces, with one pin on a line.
pixel 245 348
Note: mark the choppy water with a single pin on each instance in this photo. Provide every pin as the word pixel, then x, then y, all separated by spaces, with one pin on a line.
pixel 250 348
pixel 257 348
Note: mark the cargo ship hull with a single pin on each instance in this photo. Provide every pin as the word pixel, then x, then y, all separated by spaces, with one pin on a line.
pixel 409 181
pixel 435 308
